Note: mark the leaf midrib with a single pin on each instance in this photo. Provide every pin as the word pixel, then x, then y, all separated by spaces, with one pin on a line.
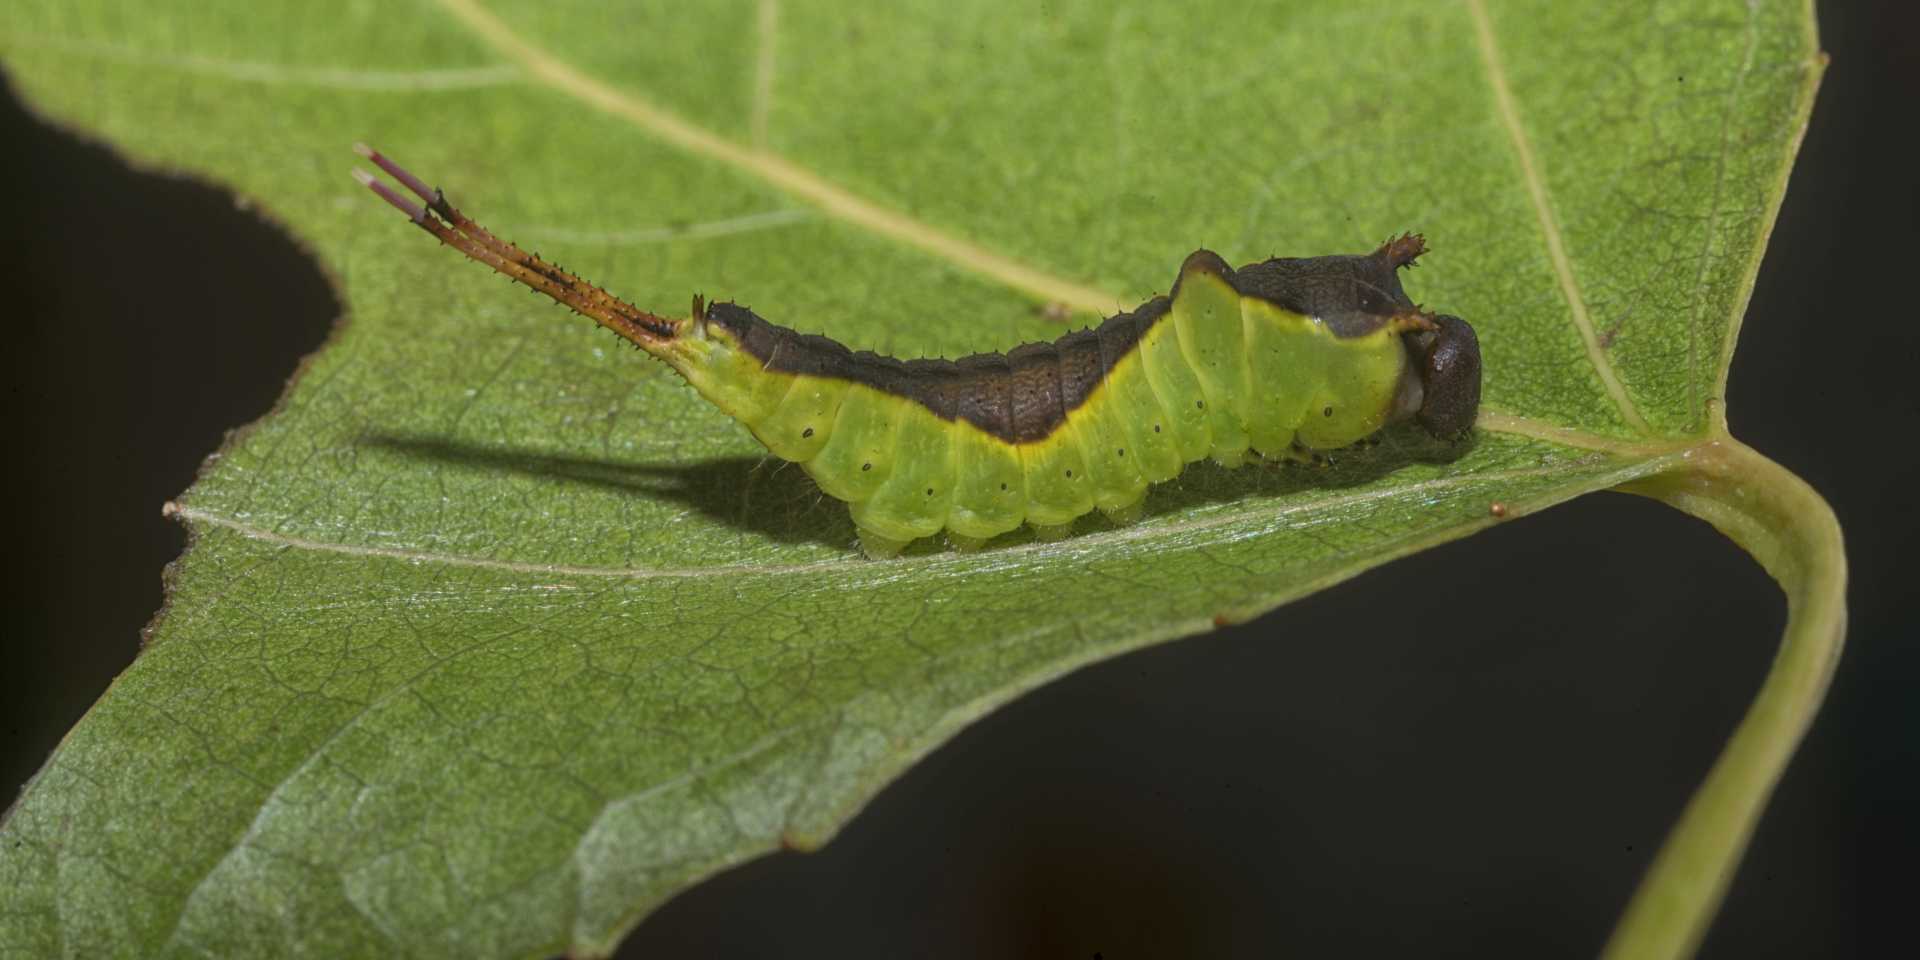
pixel 1628 468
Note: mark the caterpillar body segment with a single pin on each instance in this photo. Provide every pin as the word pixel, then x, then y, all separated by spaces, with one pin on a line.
pixel 1276 359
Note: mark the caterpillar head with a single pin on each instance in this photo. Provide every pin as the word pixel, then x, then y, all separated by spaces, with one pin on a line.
pixel 1448 359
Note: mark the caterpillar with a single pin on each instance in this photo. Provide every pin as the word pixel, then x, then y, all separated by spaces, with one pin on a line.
pixel 1277 359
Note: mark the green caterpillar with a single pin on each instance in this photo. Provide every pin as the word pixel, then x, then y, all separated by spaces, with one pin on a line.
pixel 1283 357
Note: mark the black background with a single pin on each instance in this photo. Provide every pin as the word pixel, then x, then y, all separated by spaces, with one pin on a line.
pixel 1475 749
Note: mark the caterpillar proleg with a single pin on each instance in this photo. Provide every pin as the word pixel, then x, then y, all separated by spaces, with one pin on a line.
pixel 1276 359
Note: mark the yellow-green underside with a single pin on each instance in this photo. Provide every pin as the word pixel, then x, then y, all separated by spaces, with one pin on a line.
pixel 1184 393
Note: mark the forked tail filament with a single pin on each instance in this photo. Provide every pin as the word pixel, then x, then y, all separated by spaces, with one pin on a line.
pixel 442 219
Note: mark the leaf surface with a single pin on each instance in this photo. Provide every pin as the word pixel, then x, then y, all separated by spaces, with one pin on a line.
pixel 492 636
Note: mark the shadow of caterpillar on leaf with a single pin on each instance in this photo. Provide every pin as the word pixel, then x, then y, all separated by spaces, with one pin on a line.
pixel 768 497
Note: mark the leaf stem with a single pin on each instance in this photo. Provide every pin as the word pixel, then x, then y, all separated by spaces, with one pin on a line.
pixel 1794 535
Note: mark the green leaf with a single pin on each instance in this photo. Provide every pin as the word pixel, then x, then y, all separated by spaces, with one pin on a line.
pixel 492 636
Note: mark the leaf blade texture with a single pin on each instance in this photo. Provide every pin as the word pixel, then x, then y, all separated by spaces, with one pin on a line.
pixel 492 636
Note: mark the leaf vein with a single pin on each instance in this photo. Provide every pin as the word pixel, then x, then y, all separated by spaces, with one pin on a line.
pixel 1628 457
pixel 318 753
pixel 831 198
pixel 249 71
pixel 1713 207
pixel 706 229
pixel 1542 202
pixel 763 69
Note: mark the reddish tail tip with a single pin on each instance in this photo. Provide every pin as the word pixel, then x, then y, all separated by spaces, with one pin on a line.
pixel 414 211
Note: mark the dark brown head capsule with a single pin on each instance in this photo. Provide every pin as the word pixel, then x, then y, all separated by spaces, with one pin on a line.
pixel 1449 359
